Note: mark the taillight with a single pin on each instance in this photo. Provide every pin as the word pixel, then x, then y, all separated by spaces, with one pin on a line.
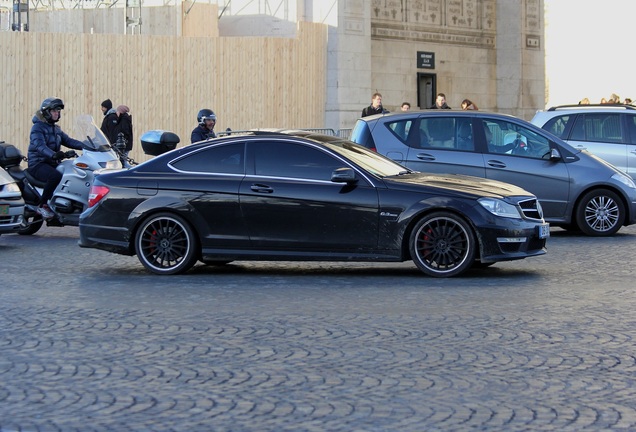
pixel 96 194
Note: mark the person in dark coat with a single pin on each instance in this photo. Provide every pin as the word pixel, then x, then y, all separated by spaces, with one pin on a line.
pixel 124 127
pixel 205 129
pixel 440 102
pixel 110 121
pixel 45 153
pixel 375 107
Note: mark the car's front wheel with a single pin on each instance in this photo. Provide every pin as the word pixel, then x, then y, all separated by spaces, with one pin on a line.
pixel 442 244
pixel 165 244
pixel 600 212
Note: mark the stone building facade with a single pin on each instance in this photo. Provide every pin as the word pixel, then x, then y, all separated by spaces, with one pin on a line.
pixel 489 51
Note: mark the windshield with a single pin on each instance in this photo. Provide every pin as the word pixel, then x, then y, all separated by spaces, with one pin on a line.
pixel 369 160
pixel 87 131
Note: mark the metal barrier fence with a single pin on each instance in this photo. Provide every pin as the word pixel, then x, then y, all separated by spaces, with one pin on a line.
pixel 342 133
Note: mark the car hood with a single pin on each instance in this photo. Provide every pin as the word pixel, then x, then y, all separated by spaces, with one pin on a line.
pixel 462 184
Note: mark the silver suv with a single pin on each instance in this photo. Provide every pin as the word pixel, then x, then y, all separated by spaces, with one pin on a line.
pixel 577 190
pixel 608 131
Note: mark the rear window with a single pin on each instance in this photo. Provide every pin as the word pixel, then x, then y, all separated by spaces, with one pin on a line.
pixel 400 129
pixel 362 135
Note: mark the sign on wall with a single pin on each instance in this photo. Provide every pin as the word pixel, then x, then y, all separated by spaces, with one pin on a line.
pixel 425 60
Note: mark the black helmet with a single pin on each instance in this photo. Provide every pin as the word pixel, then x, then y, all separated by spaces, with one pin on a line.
pixel 48 104
pixel 205 114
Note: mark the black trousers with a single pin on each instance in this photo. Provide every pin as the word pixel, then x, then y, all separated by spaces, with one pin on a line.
pixel 46 173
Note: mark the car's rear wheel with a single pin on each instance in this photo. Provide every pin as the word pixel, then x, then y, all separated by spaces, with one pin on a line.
pixel 600 213
pixel 442 244
pixel 165 244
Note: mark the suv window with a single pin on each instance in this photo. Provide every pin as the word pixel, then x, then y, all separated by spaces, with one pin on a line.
pixel 598 127
pixel 559 125
pixel 631 128
pixel 509 138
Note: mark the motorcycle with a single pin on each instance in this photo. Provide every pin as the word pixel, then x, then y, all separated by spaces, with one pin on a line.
pixel 70 198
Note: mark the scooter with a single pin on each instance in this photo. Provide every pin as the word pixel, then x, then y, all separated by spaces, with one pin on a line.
pixel 70 198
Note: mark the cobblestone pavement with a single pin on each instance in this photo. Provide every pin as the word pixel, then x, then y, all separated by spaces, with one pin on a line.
pixel 91 342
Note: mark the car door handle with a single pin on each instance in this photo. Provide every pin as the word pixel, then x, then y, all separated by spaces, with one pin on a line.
pixel 496 164
pixel 425 156
pixel 261 188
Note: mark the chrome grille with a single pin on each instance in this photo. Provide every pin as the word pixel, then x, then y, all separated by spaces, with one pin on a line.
pixel 531 209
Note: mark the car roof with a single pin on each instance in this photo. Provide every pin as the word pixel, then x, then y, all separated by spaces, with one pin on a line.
pixel 591 107
pixel 439 113
pixel 431 113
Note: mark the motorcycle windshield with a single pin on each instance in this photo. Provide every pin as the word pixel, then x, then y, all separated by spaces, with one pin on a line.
pixel 92 136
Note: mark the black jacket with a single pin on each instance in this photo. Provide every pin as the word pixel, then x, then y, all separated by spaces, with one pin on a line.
pixel 124 126
pixel 109 124
pixel 370 110
pixel 442 107
pixel 201 133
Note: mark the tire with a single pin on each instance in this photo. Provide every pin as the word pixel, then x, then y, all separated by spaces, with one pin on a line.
pixel 443 245
pixel 31 224
pixel 166 245
pixel 600 212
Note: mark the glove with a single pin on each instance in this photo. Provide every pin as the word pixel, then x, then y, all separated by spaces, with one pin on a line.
pixel 59 155
pixel 70 154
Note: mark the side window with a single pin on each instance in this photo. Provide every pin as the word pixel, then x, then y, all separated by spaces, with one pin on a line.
pixel 464 139
pixel 437 132
pixel 400 129
pixel 514 140
pixel 598 127
pixel 292 160
pixel 631 127
pixel 557 125
pixel 225 159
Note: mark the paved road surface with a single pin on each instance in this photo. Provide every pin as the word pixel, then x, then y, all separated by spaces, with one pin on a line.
pixel 91 342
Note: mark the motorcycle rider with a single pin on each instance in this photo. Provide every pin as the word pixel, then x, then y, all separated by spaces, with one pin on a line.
pixel 205 128
pixel 44 153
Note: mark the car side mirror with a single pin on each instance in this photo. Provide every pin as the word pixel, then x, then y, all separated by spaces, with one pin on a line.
pixel 554 154
pixel 344 175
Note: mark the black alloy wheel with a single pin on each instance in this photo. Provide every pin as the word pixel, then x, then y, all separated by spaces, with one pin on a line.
pixel 442 244
pixel 165 244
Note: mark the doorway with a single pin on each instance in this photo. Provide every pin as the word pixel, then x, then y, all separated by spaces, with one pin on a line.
pixel 426 90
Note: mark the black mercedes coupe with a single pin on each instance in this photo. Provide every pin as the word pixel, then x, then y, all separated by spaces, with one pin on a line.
pixel 300 196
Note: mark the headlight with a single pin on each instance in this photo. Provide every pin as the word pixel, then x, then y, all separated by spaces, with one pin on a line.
pixel 113 164
pixel 499 207
pixel 625 179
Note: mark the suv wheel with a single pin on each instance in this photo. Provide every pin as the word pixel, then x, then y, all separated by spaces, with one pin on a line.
pixel 600 213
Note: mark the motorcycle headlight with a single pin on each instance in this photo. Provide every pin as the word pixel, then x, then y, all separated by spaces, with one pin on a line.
pixel 499 207
pixel 112 164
